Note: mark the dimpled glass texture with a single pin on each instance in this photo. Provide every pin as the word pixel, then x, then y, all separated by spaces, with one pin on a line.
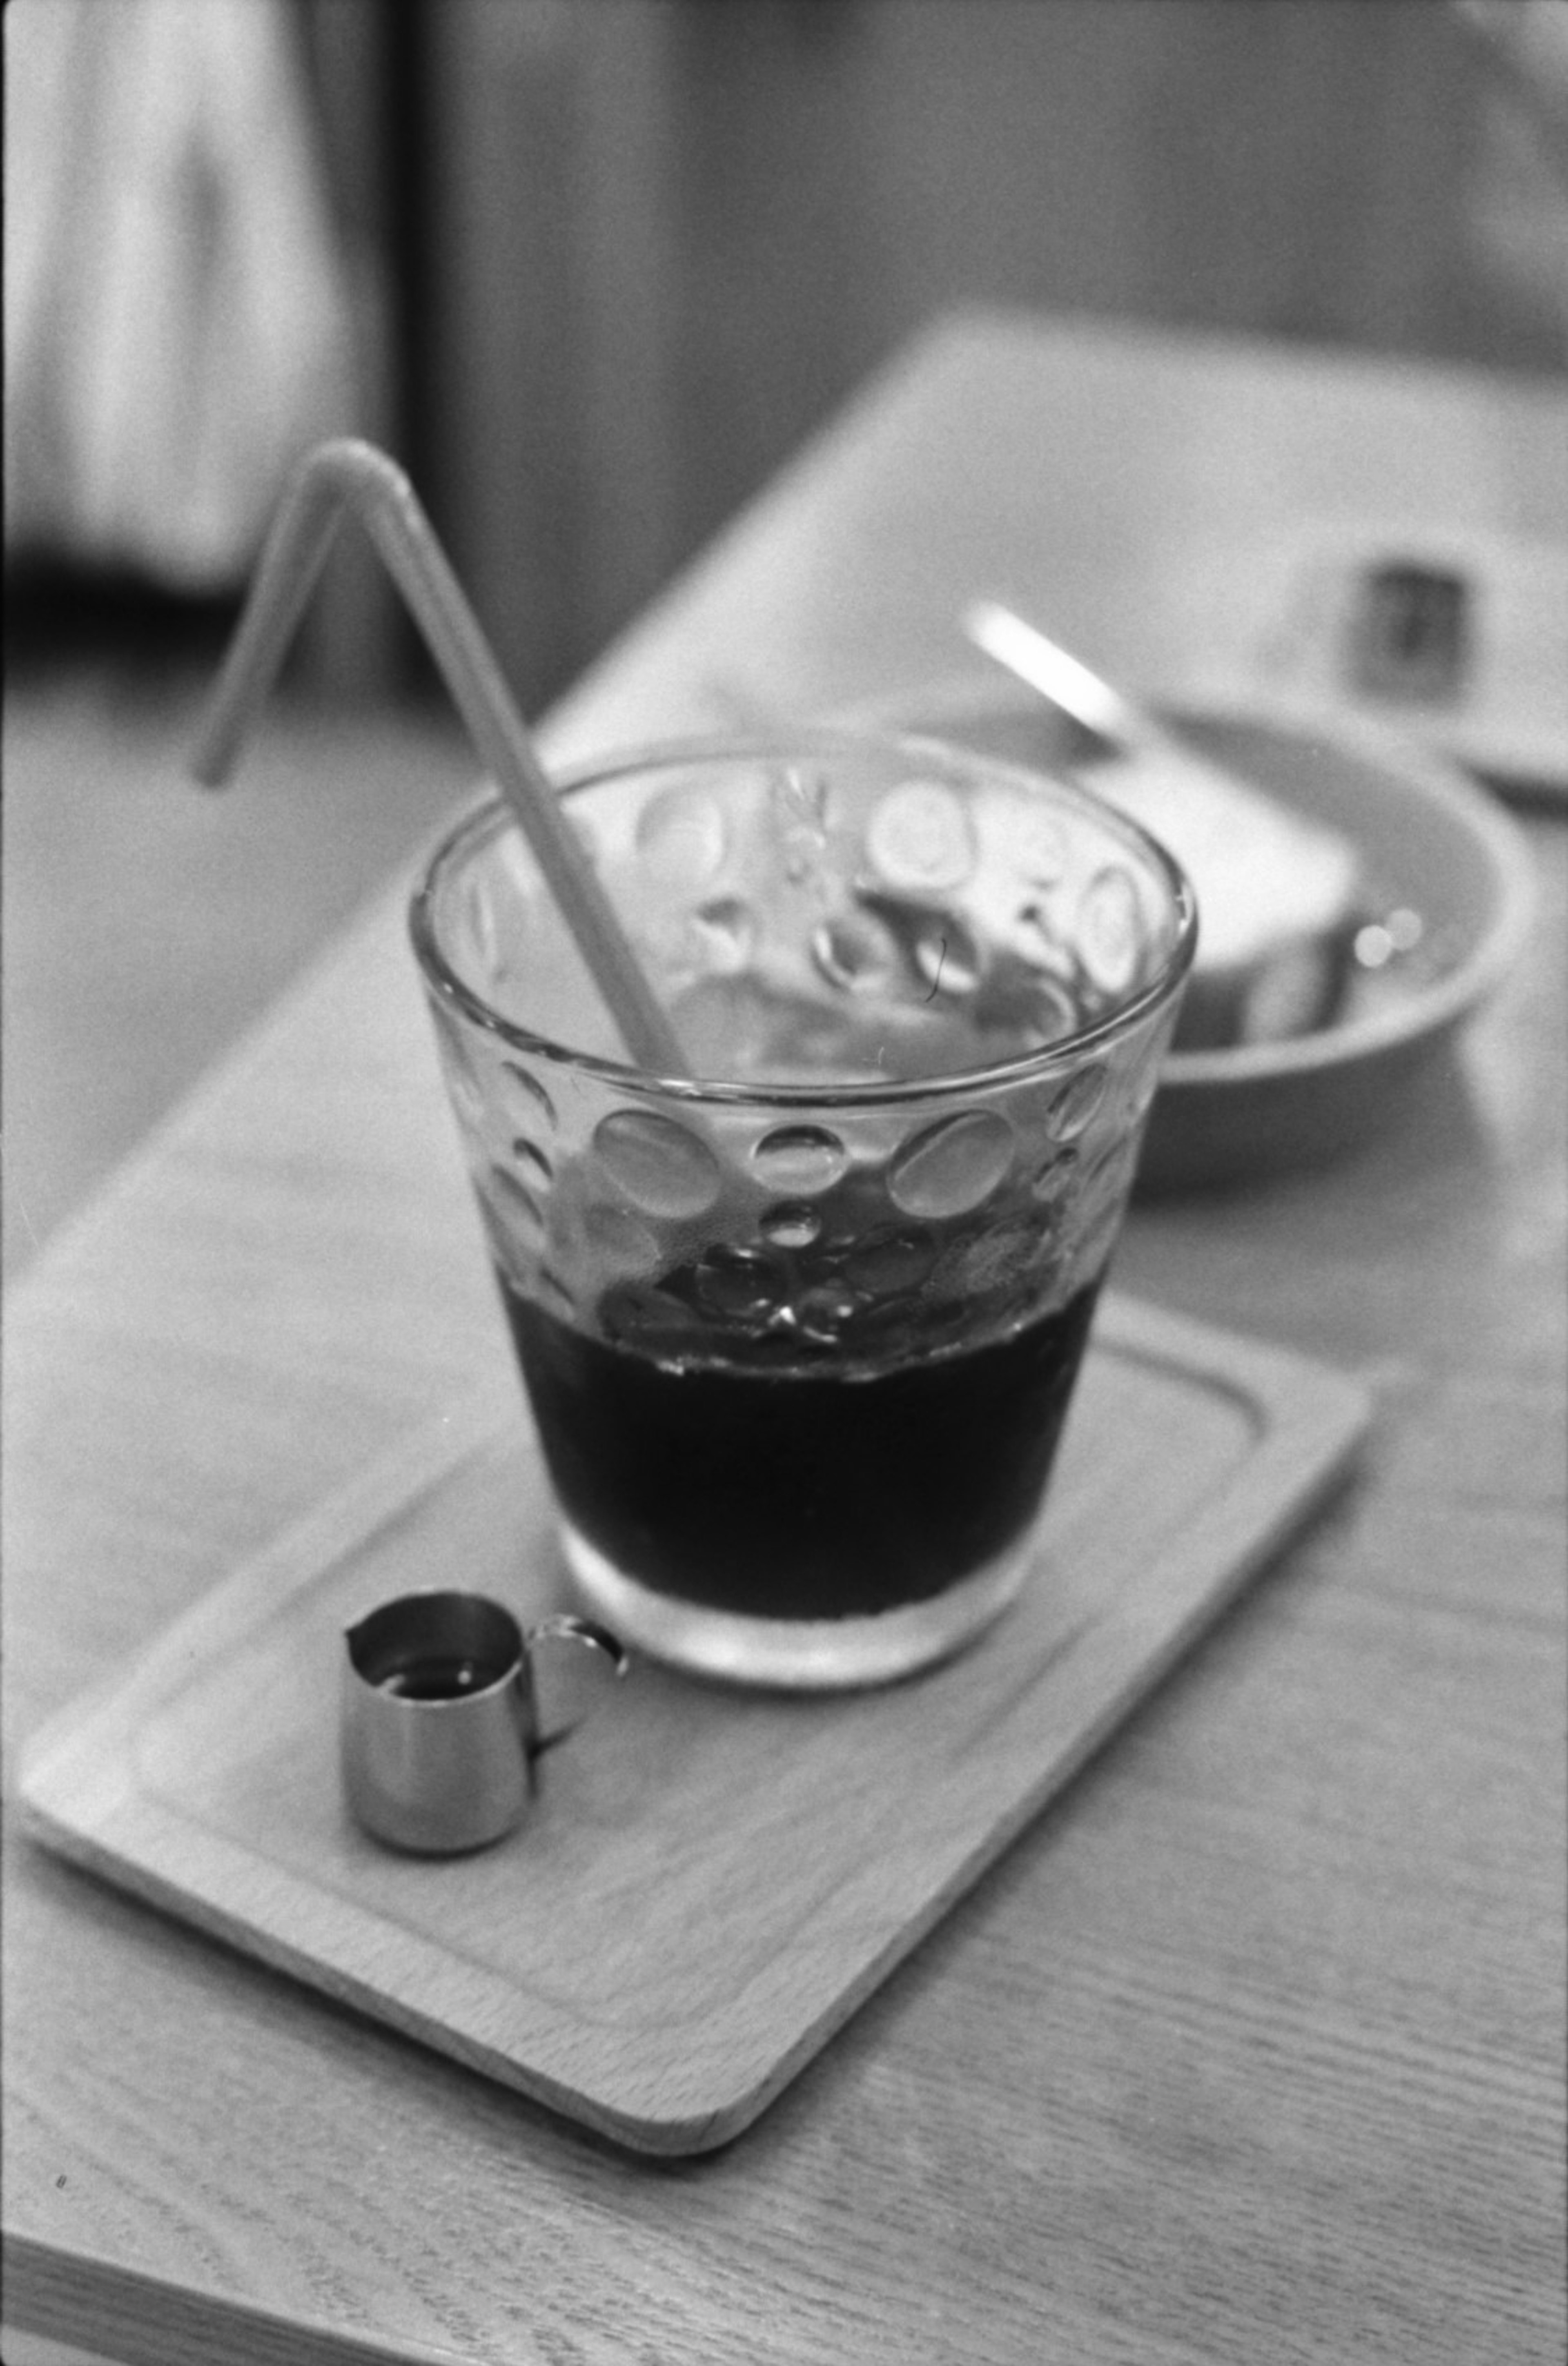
pixel 924 996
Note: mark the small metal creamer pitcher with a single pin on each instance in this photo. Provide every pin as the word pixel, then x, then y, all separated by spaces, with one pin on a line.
pixel 441 1725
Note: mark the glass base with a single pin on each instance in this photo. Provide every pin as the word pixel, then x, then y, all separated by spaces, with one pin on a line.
pixel 797 1655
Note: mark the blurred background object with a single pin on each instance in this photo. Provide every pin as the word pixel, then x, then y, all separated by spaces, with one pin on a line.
pixel 1519 211
pixel 177 318
pixel 673 237
pixel 188 306
pixel 591 270
pixel 198 285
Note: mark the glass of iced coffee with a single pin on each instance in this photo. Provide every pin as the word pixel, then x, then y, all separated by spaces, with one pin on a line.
pixel 799 1329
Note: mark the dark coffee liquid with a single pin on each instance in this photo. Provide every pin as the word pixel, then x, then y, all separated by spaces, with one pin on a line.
pixel 800 1493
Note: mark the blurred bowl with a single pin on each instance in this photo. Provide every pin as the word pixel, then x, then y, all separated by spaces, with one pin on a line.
pixel 1433 844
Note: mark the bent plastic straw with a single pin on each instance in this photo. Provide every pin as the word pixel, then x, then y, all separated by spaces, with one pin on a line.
pixel 350 474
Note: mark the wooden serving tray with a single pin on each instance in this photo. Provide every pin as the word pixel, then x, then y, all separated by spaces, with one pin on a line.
pixel 710 1882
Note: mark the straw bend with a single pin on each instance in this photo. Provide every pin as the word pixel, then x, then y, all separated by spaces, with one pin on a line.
pixel 296 550
pixel 349 473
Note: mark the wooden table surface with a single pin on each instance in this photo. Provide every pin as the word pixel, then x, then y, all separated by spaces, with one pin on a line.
pixel 1251 2049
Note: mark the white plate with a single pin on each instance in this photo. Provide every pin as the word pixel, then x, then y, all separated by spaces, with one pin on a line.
pixel 1334 621
pixel 1433 843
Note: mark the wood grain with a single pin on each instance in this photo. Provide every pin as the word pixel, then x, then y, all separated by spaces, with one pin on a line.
pixel 156 2324
pixel 1252 2048
pixel 708 1884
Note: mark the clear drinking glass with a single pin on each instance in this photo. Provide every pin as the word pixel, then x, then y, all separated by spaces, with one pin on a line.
pixel 800 1331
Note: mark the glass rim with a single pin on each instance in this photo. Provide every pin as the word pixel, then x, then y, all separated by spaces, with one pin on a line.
pixel 485 820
